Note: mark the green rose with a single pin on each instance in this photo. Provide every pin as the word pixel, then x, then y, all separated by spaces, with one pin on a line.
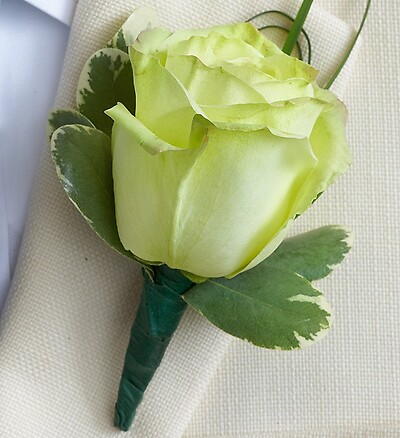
pixel 231 140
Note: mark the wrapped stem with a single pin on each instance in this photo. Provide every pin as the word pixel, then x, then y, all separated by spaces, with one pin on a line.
pixel 160 310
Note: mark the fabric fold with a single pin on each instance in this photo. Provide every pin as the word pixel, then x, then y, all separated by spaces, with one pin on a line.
pixel 73 300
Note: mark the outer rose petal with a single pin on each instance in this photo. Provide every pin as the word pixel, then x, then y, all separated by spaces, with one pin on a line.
pixel 273 90
pixel 211 86
pixel 215 49
pixel 233 83
pixel 245 42
pixel 204 210
pixel 245 32
pixel 242 65
pixel 149 40
pixel 162 104
pixel 147 139
pixel 147 181
pixel 288 120
pixel 328 141
pixel 235 199
pixel 329 144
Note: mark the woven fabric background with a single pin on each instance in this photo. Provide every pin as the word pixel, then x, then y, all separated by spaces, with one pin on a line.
pixel 73 300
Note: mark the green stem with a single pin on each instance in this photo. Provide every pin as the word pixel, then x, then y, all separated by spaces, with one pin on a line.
pixel 346 56
pixel 160 310
pixel 297 27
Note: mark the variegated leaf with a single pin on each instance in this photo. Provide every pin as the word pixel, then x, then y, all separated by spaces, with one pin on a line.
pixel 62 117
pixel 268 307
pixel 313 254
pixel 106 79
pixel 82 156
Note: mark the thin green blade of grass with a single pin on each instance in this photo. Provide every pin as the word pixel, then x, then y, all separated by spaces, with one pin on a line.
pixel 346 56
pixel 297 27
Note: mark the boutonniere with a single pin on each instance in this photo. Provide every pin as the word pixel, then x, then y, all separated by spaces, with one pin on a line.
pixel 192 153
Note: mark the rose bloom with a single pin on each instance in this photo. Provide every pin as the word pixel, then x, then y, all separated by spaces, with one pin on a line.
pixel 230 141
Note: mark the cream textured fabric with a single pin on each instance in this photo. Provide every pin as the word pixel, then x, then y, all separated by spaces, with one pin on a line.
pixel 66 325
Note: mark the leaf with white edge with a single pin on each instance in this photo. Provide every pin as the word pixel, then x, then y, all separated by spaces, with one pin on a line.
pixel 106 79
pixel 62 117
pixel 314 254
pixel 141 19
pixel 82 156
pixel 266 306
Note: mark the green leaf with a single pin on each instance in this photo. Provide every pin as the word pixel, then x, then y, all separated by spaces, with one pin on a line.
pixel 106 79
pixel 266 306
pixel 118 42
pixel 82 156
pixel 62 117
pixel 314 254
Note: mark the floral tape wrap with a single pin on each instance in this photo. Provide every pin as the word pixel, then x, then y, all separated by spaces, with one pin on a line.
pixel 160 310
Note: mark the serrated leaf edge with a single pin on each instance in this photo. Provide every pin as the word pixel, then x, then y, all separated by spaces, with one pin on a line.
pixel 65 181
pixel 50 130
pixel 59 131
pixel 84 78
pixel 319 300
pixel 348 240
